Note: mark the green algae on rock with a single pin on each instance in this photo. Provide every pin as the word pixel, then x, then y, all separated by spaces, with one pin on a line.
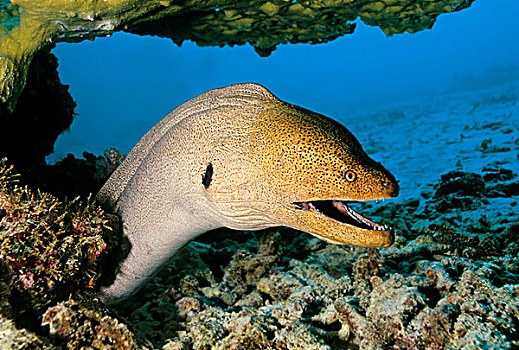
pixel 9 17
pixel 263 24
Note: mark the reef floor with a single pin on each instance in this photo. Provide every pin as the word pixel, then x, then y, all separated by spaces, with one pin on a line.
pixel 451 280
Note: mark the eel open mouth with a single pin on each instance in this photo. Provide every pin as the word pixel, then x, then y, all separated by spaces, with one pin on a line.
pixel 340 211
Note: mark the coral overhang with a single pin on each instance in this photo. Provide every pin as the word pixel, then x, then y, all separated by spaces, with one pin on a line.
pixel 263 24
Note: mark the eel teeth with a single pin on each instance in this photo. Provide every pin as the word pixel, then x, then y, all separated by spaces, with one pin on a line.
pixel 340 211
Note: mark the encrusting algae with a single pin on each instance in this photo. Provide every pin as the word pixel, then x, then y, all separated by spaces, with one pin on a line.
pixel 263 24
pixel 97 331
pixel 49 251
pixel 49 248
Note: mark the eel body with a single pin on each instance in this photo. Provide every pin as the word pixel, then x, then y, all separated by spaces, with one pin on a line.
pixel 239 157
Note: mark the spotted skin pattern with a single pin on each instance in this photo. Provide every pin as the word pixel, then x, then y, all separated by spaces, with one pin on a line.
pixel 265 155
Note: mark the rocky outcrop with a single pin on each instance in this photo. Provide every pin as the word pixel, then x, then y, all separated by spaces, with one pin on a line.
pixel 44 111
pixel 263 24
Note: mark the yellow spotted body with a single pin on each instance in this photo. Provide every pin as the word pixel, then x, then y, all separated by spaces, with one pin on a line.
pixel 239 157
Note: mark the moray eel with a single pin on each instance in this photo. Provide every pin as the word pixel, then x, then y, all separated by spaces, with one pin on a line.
pixel 239 157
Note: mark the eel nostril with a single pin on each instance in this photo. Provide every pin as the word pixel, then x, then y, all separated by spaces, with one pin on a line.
pixel 392 188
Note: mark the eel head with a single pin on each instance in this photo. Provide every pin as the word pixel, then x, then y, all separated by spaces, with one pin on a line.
pixel 317 168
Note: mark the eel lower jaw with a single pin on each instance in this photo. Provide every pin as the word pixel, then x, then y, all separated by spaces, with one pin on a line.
pixel 340 211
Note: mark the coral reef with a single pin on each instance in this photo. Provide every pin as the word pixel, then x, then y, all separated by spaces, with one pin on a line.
pixel 267 24
pixel 451 280
pixel 97 331
pixel 263 24
pixel 49 249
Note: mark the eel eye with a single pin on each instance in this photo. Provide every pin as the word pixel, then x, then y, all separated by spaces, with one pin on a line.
pixel 350 175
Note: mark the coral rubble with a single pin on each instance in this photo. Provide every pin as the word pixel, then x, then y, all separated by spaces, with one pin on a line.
pixel 97 331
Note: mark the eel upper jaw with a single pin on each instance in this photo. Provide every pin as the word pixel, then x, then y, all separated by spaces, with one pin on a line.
pixel 339 211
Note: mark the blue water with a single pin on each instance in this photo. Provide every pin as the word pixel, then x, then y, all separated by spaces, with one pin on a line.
pixel 125 84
